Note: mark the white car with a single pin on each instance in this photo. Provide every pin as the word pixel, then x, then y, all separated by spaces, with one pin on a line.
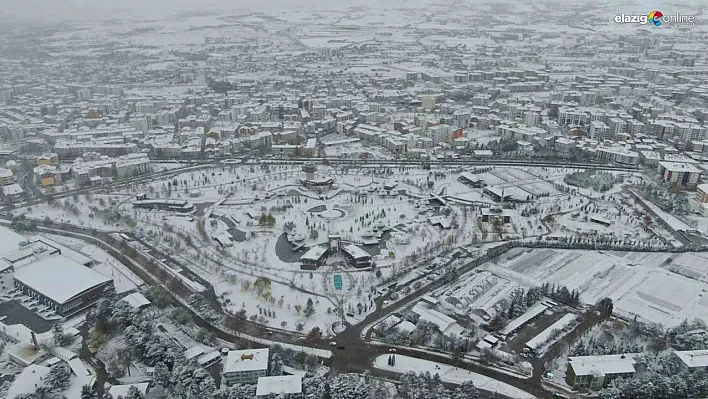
pixel 392 350
pixel 332 343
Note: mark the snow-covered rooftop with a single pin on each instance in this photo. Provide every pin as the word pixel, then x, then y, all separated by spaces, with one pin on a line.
pixel 136 300
pixel 603 365
pixel 540 339
pixel 679 167
pixel 28 381
pixel 246 360
pixel 433 316
pixel 314 253
pixel 694 359
pixel 355 252
pixel 9 240
pixel 278 385
pixel 532 312
pixel 122 390
pixel 59 278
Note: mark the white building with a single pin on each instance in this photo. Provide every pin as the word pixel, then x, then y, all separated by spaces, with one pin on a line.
pixel 279 385
pixel 245 366
pixel 596 372
pixel 695 360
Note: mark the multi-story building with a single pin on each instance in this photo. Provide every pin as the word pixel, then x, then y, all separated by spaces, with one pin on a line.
pixel 680 173
pixel 702 194
pixel 616 126
pixel 6 177
pixel 599 130
pixel 245 366
pixel 46 175
pixel 617 154
pixel 51 159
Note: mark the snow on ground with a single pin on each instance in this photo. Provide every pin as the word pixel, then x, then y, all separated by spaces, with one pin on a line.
pixel 644 284
pixel 450 374
pixel 123 279
pixel 670 219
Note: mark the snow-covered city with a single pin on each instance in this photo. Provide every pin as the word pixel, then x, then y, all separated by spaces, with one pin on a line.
pixel 368 199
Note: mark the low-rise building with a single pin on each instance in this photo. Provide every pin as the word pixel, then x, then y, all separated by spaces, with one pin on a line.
pixel 695 360
pixel 596 372
pixel 245 366
pixel 290 385
pixel 6 177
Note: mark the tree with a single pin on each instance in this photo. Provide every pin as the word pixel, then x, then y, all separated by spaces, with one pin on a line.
pixel 309 308
pixel 298 309
pixel 466 390
pixel 162 374
pixel 57 334
pixel 314 335
pixel 605 308
pixel 134 393
pixel 88 392
pixel 276 364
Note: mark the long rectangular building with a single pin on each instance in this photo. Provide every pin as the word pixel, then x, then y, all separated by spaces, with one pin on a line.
pixel 61 284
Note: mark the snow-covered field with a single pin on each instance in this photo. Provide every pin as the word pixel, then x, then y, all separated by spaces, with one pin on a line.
pixel 450 374
pixel 645 285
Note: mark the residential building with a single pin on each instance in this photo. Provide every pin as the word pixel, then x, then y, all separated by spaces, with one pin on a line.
pixel 6 177
pixel 289 385
pixel 695 360
pixel 245 366
pixel 596 372
pixel 702 194
pixel 51 158
pixel 681 173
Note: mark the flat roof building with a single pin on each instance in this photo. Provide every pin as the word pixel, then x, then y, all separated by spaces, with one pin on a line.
pixel 61 284
pixel 290 385
pixel 695 360
pixel 596 372
pixel 245 366
pixel 681 173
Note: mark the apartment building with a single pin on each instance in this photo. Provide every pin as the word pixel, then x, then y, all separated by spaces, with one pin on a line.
pixel 245 366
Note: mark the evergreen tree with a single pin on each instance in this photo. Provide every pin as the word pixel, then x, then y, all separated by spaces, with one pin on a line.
pixel 309 308
pixel 57 334
pixel 88 392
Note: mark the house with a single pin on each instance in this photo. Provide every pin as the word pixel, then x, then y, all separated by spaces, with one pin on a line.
pixel 356 256
pixel 596 372
pixel 695 360
pixel 244 366
pixel 313 258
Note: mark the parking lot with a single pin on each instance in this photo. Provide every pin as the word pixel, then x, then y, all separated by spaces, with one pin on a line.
pixel 13 312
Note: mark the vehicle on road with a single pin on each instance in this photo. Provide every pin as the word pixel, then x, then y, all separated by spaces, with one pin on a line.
pixel 392 350
pixel 332 343
pixel 340 347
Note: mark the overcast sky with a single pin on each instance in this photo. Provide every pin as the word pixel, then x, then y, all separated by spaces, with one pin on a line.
pixel 77 10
